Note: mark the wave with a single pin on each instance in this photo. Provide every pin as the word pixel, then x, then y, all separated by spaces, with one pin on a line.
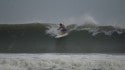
pixel 91 28
pixel 40 38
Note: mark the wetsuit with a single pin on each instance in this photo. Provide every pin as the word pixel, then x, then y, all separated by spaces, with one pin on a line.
pixel 63 29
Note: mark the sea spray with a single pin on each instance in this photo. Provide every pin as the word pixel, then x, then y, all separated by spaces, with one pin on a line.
pixel 84 23
pixel 52 30
pixel 81 20
pixel 73 23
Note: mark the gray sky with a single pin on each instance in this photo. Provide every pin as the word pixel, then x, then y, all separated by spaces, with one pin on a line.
pixel 54 11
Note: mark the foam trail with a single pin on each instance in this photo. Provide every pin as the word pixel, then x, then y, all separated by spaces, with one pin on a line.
pixel 52 30
pixel 62 62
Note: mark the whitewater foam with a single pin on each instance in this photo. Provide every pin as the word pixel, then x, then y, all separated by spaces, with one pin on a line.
pixel 84 23
pixel 61 62
pixel 93 29
pixel 87 21
pixel 52 30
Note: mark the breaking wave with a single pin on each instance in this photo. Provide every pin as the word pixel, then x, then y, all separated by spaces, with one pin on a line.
pixel 40 38
pixel 91 28
pixel 61 62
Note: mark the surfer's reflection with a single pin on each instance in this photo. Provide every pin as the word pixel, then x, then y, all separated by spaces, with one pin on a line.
pixel 60 46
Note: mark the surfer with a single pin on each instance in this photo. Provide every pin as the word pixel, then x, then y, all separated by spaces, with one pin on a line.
pixel 62 28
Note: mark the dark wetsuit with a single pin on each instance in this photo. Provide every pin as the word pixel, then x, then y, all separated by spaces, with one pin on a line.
pixel 63 29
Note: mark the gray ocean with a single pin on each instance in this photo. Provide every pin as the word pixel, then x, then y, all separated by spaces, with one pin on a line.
pixel 86 47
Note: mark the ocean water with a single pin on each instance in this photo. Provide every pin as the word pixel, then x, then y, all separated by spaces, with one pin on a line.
pixel 40 38
pixel 86 47
pixel 61 62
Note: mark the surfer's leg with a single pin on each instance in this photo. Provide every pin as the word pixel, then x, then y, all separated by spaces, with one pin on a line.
pixel 63 31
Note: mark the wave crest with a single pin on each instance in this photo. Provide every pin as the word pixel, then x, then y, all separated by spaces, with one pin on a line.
pixel 92 28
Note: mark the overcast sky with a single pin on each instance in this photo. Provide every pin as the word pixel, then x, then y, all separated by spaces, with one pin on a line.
pixel 54 11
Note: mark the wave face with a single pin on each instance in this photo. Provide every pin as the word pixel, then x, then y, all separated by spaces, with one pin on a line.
pixel 40 38
pixel 61 62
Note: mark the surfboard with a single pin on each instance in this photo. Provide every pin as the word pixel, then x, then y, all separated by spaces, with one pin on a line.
pixel 62 35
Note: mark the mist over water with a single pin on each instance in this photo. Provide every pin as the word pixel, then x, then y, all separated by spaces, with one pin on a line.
pixel 81 20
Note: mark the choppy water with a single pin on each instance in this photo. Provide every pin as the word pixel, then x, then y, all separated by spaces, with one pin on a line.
pixel 61 62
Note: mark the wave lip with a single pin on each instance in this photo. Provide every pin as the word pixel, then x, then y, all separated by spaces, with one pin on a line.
pixel 107 30
pixel 92 28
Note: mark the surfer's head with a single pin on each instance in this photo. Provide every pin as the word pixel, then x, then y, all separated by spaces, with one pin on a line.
pixel 60 24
